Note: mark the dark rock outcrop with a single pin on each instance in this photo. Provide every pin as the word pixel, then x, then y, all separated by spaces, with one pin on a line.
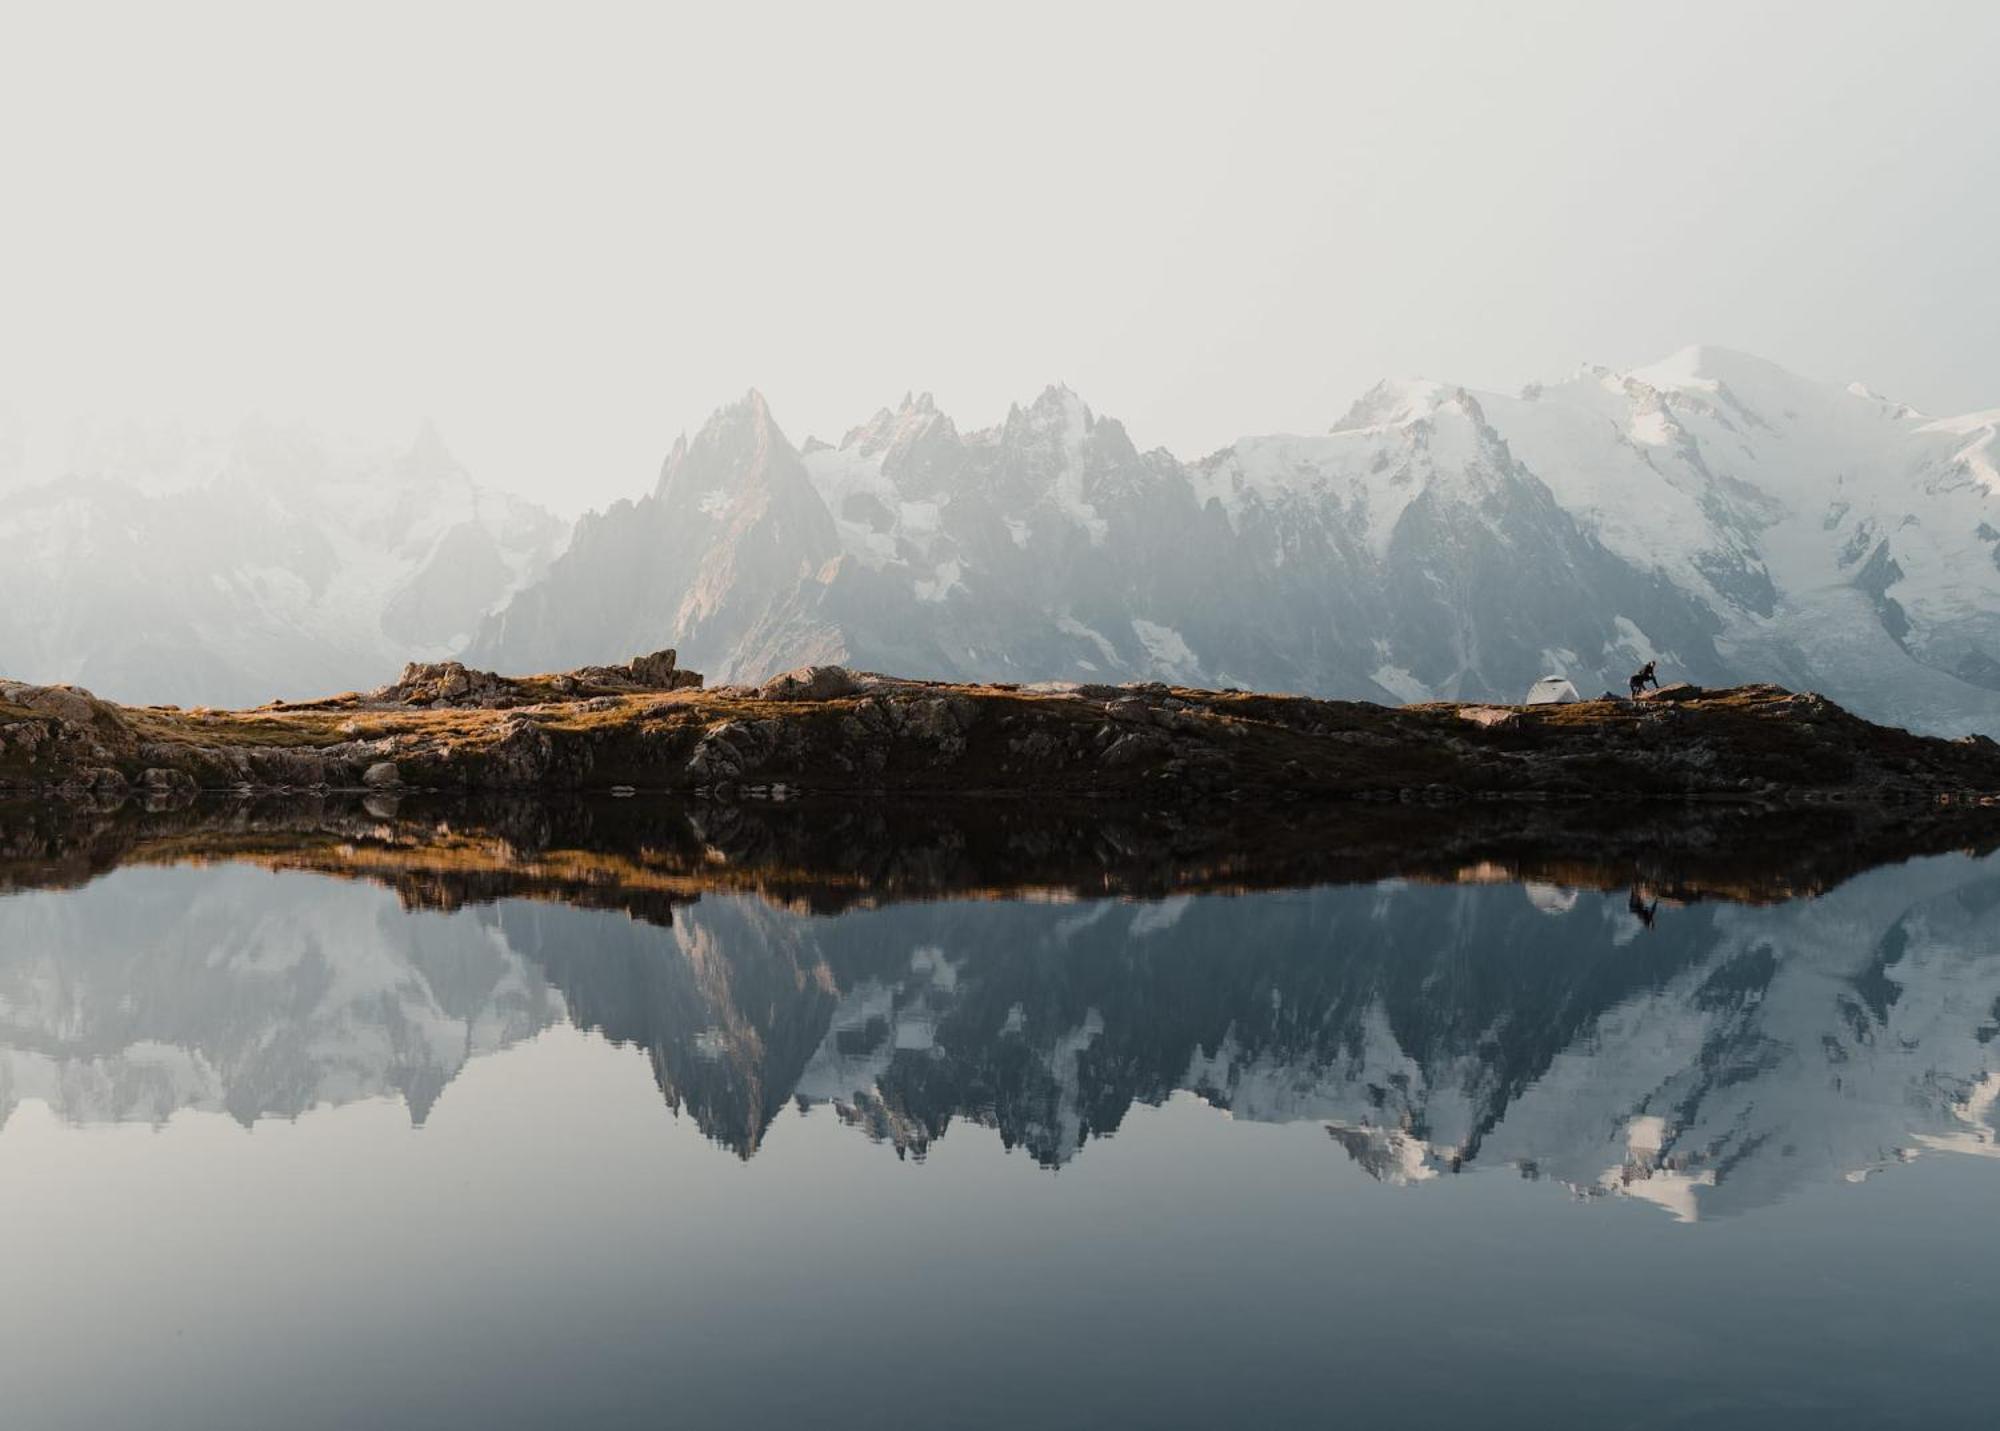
pixel 810 683
pixel 452 683
pixel 827 729
pixel 443 683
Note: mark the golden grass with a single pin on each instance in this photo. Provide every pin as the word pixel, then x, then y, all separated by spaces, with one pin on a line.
pixel 231 728
pixel 416 860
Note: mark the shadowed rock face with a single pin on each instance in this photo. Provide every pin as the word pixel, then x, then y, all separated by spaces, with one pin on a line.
pixel 1663 1009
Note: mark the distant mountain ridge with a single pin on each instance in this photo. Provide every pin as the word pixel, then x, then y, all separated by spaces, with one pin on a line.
pixel 275 565
pixel 1715 511
pixel 1735 520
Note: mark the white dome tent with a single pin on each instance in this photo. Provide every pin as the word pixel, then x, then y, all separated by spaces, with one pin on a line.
pixel 1552 691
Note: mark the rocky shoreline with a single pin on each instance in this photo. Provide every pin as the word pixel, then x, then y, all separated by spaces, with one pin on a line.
pixel 650 726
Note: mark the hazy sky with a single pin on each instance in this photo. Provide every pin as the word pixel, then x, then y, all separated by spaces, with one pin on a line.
pixel 568 232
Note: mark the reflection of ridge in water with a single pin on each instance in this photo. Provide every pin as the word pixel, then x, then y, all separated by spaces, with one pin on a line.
pixel 728 1000
pixel 1708 1058
pixel 227 990
pixel 1717 1058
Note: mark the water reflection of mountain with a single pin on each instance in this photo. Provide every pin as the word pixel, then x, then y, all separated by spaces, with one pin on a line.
pixel 1720 1058
pixel 1712 1059
pixel 227 990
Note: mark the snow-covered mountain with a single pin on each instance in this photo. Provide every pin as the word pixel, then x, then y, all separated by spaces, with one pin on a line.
pixel 1716 511
pixel 274 564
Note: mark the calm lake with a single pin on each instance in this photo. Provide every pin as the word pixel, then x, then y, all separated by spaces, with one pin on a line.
pixel 356 1133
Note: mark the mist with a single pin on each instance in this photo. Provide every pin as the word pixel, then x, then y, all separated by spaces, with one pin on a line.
pixel 569 238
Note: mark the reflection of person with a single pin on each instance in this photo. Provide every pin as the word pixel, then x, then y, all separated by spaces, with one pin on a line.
pixel 1643 675
pixel 1645 913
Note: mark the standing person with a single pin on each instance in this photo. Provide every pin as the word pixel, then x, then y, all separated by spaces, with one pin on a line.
pixel 1643 675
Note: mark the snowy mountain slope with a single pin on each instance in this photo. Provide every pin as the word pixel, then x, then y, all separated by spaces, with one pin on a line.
pixel 290 569
pixel 1843 539
pixel 1714 511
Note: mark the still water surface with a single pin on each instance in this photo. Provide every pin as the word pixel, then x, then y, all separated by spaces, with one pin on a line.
pixel 282 1151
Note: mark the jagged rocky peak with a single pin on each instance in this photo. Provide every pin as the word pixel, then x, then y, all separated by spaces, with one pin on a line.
pixel 745 423
pixel 739 449
pixel 1060 431
pixel 893 435
pixel 731 429
pixel 675 455
pixel 1056 408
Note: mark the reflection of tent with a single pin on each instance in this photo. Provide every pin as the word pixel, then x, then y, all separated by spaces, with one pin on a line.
pixel 1551 691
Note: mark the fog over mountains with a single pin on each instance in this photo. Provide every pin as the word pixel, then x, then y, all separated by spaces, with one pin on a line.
pixel 1732 519
pixel 273 563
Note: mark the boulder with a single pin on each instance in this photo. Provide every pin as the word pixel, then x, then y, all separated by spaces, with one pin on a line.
pixel 70 703
pixel 1132 747
pixel 382 775
pixel 716 757
pixel 442 683
pixel 811 683
pixel 658 669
